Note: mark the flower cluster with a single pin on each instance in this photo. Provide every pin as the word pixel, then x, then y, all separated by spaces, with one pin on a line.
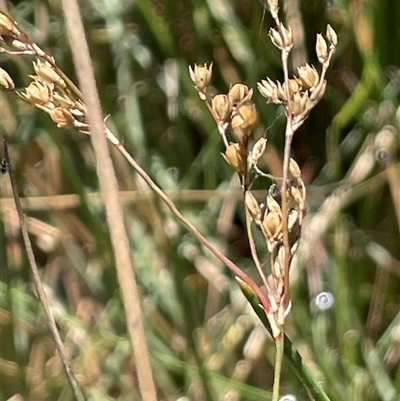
pixel 48 90
pixel 280 217
pixel 302 92
pixel 233 109
pixel 13 40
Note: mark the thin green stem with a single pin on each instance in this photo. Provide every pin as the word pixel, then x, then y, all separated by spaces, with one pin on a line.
pixel 299 368
pixel 279 342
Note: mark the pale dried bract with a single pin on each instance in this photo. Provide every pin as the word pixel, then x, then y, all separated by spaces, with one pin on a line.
pixel 47 73
pixel 282 38
pixel 201 76
pixel 308 76
pixel 39 93
pixel 6 81
pixel 258 150
pixel 321 48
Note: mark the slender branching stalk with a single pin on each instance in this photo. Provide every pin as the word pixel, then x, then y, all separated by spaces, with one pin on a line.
pixel 41 293
pixel 280 218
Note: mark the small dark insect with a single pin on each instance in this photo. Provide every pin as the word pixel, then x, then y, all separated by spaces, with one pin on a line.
pixel 4 166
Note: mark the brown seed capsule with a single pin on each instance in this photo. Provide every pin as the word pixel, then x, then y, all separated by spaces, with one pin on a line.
pixel 233 156
pixel 272 224
pixel 293 86
pixel 221 108
pixel 239 94
pixel 243 121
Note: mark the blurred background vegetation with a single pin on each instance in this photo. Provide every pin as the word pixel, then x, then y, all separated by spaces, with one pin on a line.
pixel 204 341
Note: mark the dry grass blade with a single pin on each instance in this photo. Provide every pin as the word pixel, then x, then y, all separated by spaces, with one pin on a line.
pixel 109 188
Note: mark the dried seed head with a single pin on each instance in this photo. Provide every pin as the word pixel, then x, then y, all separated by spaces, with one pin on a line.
pixel 62 117
pixel 281 37
pixel 308 76
pixel 269 90
pixel 6 81
pixel 221 108
pixel 234 157
pixel 321 49
pixel 258 150
pixel 243 121
pixel 253 207
pixel 46 72
pixel 39 93
pixel 331 35
pixel 239 94
pixel 200 76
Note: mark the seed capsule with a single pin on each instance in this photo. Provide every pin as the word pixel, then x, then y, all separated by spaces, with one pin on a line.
pixel 201 75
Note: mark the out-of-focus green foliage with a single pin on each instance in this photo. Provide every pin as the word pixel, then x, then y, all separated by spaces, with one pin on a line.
pixel 205 343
